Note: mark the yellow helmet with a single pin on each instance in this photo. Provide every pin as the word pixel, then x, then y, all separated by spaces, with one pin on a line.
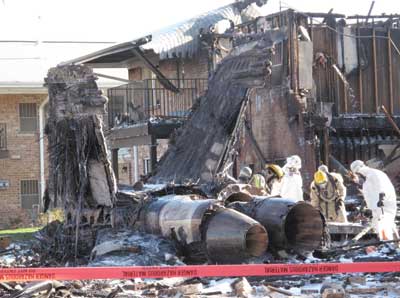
pixel 320 177
pixel 276 169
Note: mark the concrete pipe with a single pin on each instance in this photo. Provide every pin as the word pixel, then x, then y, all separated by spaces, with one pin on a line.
pixel 226 235
pixel 295 225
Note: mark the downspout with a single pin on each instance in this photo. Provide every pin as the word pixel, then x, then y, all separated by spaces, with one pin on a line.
pixel 41 150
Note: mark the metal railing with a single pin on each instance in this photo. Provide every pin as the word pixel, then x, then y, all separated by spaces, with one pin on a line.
pixel 142 100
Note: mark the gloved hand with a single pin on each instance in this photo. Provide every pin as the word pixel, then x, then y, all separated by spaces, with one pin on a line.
pixel 380 203
pixel 368 213
pixel 338 203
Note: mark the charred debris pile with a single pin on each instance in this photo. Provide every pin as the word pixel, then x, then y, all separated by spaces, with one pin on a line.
pixel 201 226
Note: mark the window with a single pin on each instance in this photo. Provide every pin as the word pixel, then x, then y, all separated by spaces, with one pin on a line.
pixel 29 194
pixel 3 136
pixel 28 117
pixel 146 165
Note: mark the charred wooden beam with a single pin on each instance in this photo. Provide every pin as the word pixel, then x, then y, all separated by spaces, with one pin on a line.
pixel 324 15
pixel 370 11
pixel 382 16
pixel 160 76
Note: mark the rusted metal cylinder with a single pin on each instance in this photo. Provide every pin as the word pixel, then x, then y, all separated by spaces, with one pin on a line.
pixel 227 236
pixel 294 225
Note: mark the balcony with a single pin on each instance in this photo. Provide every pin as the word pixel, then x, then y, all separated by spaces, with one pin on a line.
pixel 141 112
pixel 148 101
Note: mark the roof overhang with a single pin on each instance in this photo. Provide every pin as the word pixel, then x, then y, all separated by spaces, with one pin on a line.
pixel 112 57
pixel 22 88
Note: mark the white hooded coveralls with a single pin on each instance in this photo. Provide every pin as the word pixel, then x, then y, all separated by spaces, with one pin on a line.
pixel 292 183
pixel 383 218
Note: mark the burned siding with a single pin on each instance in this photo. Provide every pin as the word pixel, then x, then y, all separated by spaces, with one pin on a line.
pixel 373 82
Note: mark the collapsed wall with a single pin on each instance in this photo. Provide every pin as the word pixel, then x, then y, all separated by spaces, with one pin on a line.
pixel 80 177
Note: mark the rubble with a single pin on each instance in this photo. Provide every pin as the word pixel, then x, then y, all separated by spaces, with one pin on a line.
pixel 183 222
pixel 128 248
pixel 242 288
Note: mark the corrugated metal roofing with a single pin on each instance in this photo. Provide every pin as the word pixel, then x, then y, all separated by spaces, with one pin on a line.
pixel 183 39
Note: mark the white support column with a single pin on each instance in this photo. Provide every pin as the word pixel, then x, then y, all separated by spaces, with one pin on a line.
pixel 42 121
pixel 135 164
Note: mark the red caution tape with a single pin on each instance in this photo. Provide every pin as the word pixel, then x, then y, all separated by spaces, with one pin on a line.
pixel 88 273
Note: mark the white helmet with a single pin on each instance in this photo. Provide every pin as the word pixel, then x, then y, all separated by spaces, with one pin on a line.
pixel 245 172
pixel 324 169
pixel 293 161
pixel 356 166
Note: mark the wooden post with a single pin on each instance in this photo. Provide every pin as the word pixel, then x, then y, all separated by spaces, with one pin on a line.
pixel 376 95
pixel 360 84
pixel 389 44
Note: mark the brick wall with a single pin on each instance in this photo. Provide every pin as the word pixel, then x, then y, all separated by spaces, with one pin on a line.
pixel 189 68
pixel 22 161
pixel 277 135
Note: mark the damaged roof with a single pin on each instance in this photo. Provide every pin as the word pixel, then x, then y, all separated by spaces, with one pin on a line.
pixel 181 39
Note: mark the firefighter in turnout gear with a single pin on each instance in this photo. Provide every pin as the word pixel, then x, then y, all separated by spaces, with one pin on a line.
pixel 328 193
pixel 245 175
pixel 380 196
pixel 273 179
pixel 258 181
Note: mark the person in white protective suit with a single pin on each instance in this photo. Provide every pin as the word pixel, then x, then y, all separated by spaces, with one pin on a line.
pixel 380 197
pixel 292 183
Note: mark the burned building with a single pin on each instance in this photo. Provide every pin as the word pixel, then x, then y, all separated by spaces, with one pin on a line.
pixel 168 71
pixel 285 86
pixel 329 79
pixel 330 75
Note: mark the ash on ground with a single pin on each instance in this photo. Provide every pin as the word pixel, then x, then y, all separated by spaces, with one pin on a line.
pixel 144 249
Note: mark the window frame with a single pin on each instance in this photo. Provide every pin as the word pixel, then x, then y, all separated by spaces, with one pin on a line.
pixel 23 108
pixel 34 196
